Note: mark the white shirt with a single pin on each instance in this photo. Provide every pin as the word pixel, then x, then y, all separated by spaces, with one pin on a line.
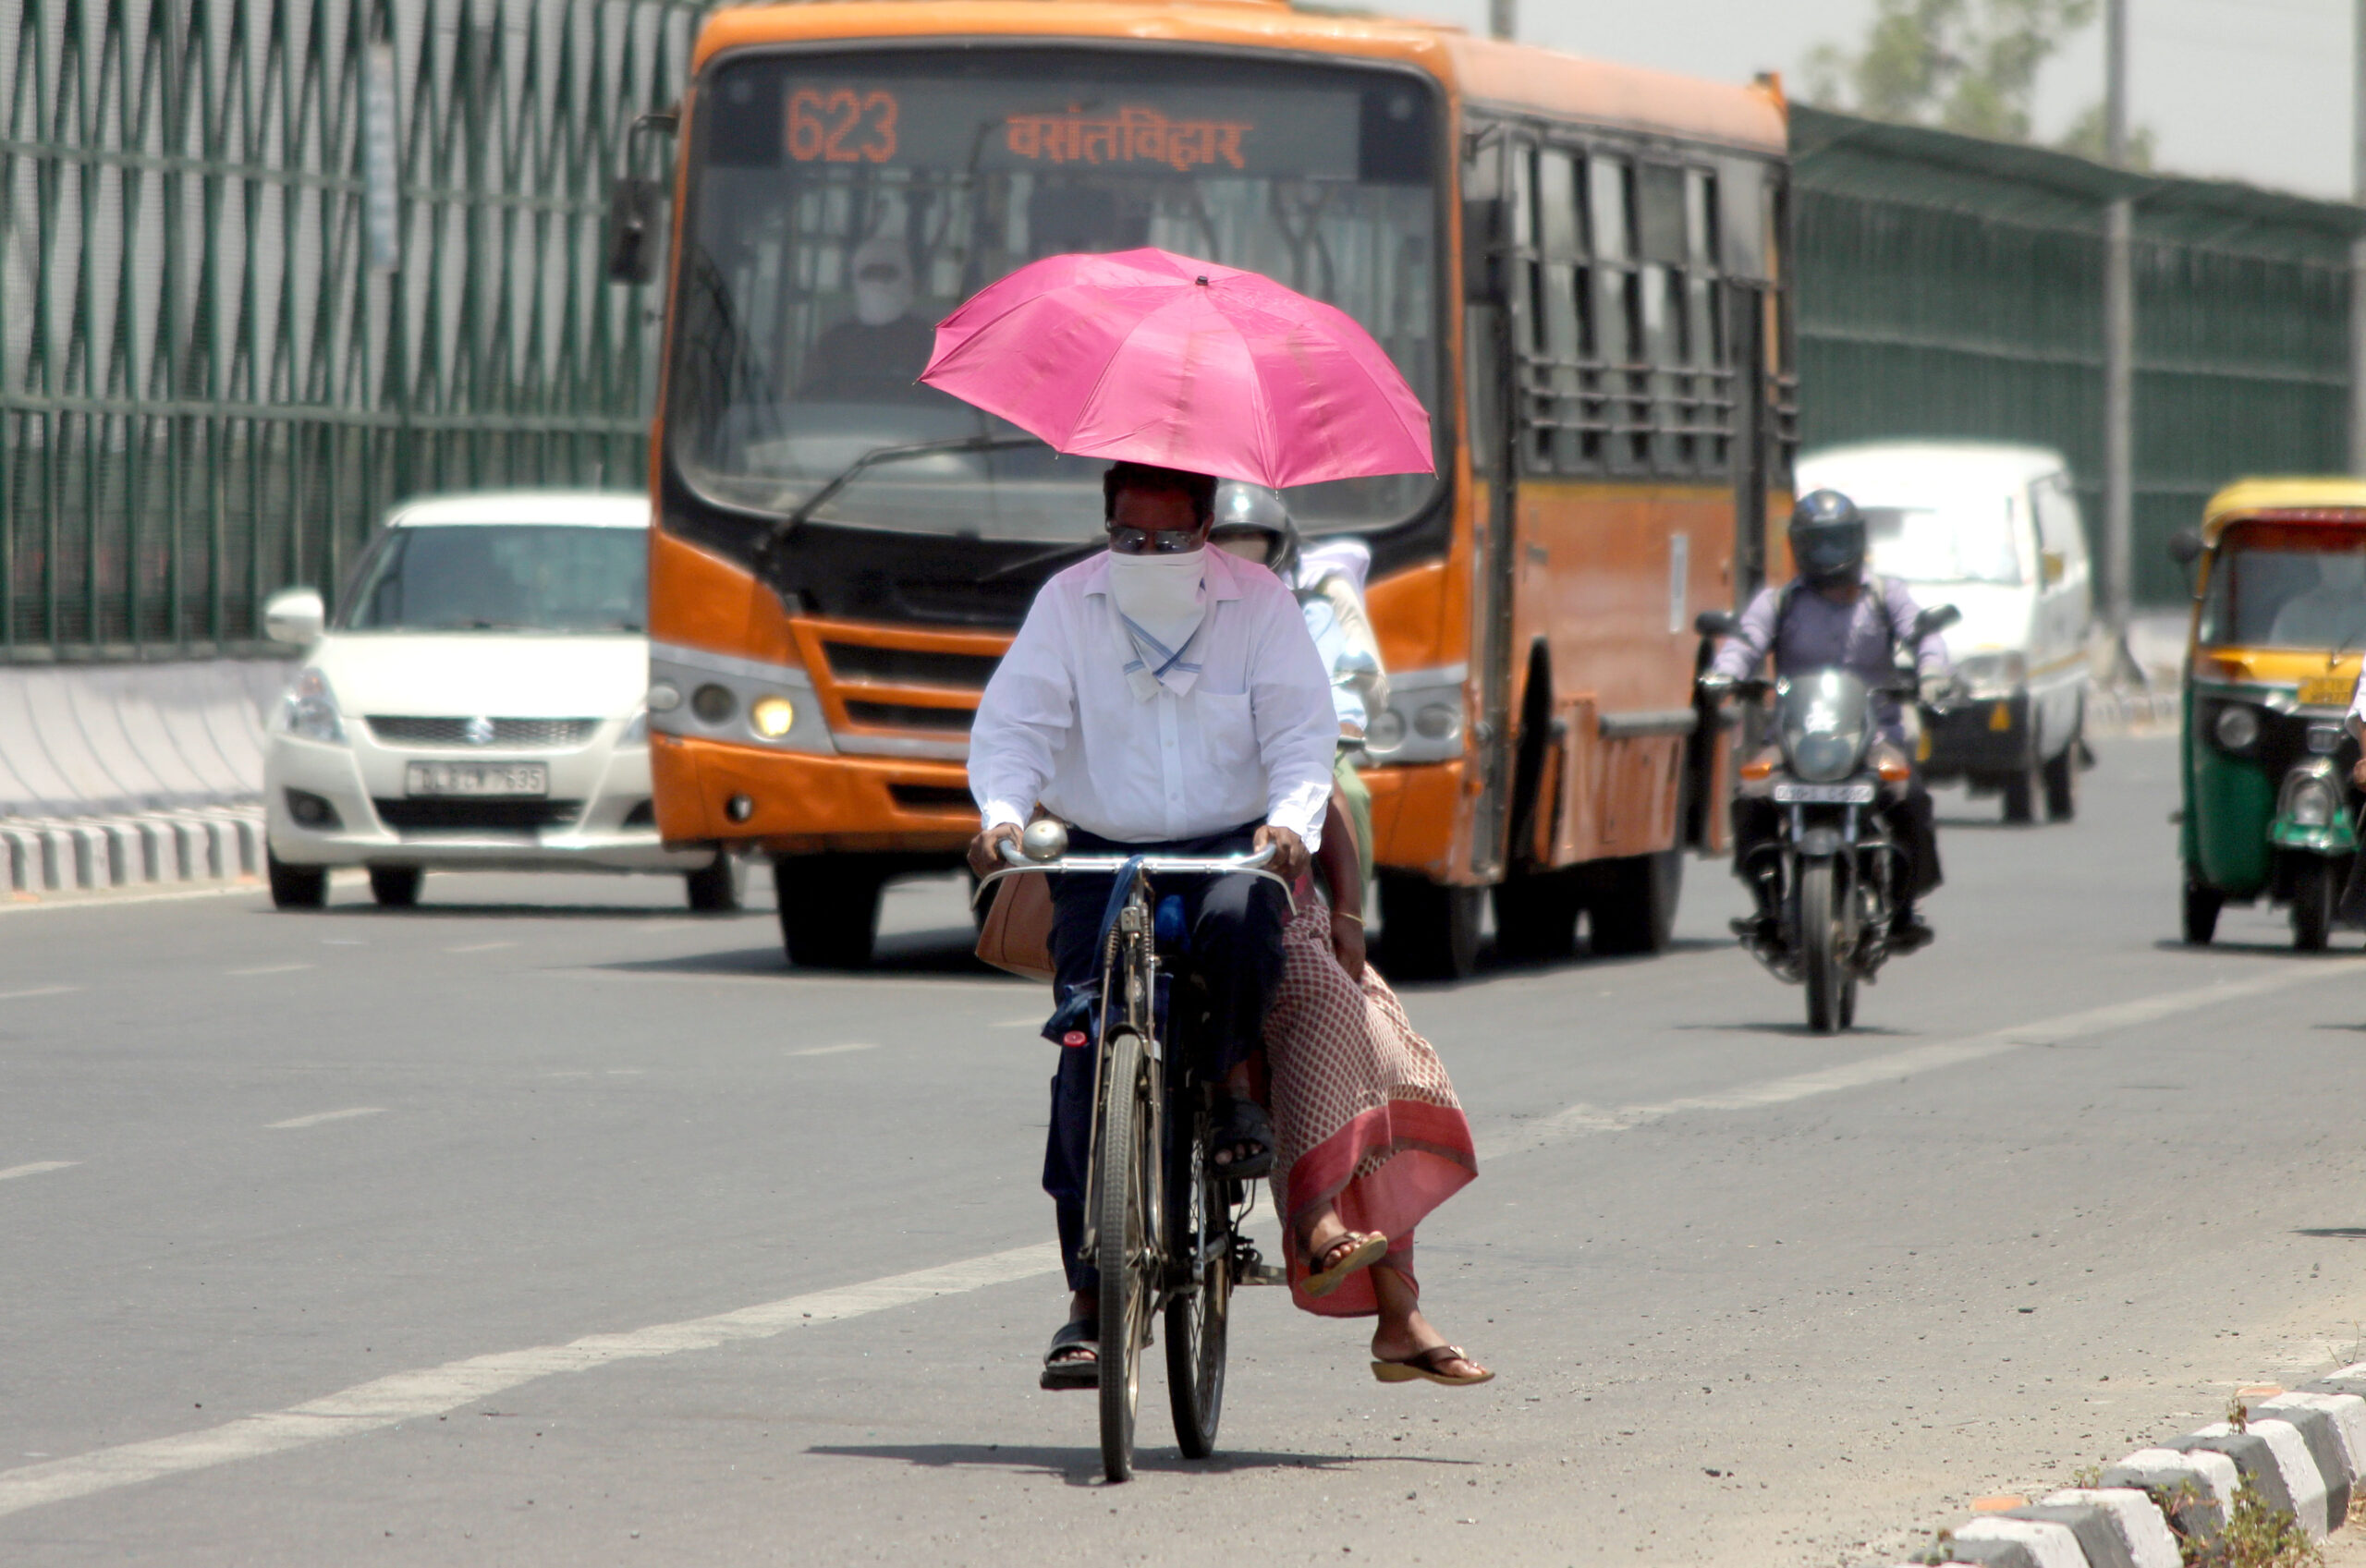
pixel 1251 739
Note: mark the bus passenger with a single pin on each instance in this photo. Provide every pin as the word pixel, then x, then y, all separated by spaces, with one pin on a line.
pixel 878 355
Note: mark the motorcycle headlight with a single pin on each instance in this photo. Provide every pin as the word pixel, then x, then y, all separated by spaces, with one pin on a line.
pixel 310 709
pixel 1823 756
pixel 2237 726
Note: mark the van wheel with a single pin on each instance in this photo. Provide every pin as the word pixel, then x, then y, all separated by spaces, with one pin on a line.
pixel 296 887
pixel 1432 932
pixel 2062 784
pixel 829 909
pixel 714 888
pixel 396 887
pixel 2202 905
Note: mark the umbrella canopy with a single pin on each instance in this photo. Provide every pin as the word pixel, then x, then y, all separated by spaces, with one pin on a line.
pixel 1154 357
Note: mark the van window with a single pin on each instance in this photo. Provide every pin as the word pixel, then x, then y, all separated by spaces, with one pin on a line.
pixel 1972 541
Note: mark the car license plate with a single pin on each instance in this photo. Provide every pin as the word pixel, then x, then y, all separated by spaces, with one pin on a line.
pixel 2327 691
pixel 512 778
pixel 1859 793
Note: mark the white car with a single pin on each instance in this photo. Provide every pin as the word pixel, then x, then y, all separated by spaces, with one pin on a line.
pixel 478 705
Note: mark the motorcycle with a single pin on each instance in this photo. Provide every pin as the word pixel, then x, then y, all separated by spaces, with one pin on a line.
pixel 1836 873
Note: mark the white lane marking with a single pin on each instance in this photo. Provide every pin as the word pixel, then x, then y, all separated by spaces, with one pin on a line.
pixel 438 1391
pixel 830 1050
pixel 36 991
pixel 1894 1066
pixel 36 1168
pixel 481 947
pixel 783 979
pixel 50 903
pixel 270 969
pixel 315 1119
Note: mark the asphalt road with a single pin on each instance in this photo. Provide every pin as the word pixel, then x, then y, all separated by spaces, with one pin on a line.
pixel 305 1221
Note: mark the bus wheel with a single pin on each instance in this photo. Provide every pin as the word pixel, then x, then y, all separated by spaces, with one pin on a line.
pixel 1536 915
pixel 1635 910
pixel 1430 932
pixel 829 910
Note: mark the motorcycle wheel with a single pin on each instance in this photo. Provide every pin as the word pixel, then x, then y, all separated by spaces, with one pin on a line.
pixel 1820 960
pixel 2314 890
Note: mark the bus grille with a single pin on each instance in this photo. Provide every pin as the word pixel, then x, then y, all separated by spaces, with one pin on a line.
pixel 910 716
pixel 909 666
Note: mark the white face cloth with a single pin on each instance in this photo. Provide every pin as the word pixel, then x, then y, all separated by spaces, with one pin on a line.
pixel 1162 599
pixel 882 282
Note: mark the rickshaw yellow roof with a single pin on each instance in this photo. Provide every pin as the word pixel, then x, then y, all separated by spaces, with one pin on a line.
pixel 2249 498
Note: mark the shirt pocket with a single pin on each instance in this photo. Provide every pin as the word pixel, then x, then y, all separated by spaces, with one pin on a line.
pixel 1227 730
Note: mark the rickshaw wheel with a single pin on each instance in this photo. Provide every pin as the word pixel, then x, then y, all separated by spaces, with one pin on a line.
pixel 2203 903
pixel 2313 891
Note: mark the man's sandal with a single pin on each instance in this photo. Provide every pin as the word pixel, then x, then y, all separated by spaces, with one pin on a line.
pixel 1429 1364
pixel 1239 1123
pixel 1063 1368
pixel 1328 1268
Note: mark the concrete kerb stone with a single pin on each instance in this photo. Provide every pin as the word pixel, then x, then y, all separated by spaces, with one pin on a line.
pixel 2304 1452
pixel 43 855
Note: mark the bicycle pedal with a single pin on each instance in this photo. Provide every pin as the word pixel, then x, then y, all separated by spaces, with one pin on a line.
pixel 1264 1274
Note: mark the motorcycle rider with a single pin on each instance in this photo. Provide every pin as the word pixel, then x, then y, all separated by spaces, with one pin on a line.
pixel 1837 614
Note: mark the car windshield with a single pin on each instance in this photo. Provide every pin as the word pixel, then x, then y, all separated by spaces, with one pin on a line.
pixel 843 204
pixel 1969 541
pixel 504 578
pixel 2286 587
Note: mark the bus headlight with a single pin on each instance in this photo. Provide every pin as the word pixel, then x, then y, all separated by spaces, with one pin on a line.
pixel 771 716
pixel 1385 733
pixel 712 703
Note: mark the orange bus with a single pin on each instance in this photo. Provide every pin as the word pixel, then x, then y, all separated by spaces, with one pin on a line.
pixel 1578 266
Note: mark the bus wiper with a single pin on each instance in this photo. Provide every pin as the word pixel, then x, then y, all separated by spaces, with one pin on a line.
pixel 782 528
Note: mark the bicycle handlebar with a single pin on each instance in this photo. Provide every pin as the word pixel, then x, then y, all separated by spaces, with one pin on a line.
pixel 1252 864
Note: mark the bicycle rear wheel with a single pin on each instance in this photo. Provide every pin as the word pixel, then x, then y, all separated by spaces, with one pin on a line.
pixel 1123 1243
pixel 1198 1237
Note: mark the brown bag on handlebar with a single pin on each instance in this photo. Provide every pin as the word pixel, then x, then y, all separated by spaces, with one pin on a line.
pixel 1016 937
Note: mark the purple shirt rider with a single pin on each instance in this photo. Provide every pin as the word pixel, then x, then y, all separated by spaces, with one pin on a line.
pixel 1818 634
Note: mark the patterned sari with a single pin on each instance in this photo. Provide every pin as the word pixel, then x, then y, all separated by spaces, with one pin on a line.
pixel 1362 1108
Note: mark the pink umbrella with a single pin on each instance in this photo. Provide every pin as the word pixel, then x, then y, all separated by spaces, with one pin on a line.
pixel 1155 358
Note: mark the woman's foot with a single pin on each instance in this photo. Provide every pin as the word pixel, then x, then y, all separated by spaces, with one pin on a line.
pixel 1333 1252
pixel 1409 1342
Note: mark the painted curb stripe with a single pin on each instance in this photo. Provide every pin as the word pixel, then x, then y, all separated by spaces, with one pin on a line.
pixel 2150 1541
pixel 2042 1543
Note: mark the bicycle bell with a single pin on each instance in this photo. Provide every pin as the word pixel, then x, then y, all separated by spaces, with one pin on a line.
pixel 1044 839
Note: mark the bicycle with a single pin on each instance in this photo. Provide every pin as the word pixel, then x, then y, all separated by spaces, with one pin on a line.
pixel 1162 1223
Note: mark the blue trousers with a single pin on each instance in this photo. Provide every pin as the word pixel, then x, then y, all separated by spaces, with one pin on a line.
pixel 1235 924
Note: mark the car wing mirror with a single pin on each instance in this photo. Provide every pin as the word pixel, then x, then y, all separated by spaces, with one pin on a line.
pixel 1938 618
pixel 2185 547
pixel 1716 623
pixel 294 615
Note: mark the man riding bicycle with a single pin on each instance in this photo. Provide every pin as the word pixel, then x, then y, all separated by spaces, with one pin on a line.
pixel 1160 698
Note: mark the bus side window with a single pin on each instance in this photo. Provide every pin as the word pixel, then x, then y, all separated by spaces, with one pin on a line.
pixel 1556 243
pixel 1618 312
pixel 1660 225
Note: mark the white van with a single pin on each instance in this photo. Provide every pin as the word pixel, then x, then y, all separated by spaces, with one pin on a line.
pixel 1994 530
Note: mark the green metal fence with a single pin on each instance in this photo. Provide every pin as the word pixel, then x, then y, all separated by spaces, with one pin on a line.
pixel 216 371
pixel 1953 287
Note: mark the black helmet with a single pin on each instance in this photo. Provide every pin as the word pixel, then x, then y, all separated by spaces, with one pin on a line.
pixel 1245 509
pixel 1827 538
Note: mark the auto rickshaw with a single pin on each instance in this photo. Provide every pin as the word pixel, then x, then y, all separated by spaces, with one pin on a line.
pixel 2279 618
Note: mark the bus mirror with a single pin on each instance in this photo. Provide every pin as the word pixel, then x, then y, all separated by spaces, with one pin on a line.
pixel 1715 623
pixel 2185 547
pixel 1486 229
pixel 630 242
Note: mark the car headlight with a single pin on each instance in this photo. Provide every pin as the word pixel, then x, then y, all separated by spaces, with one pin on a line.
pixel 1986 676
pixel 2237 726
pixel 310 709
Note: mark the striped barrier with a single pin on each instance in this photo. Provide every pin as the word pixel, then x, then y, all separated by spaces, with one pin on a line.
pixel 44 857
pixel 2302 1453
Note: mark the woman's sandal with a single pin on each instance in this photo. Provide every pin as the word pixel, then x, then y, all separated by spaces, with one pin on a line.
pixel 1241 1122
pixel 1362 1249
pixel 1063 1370
pixel 1429 1364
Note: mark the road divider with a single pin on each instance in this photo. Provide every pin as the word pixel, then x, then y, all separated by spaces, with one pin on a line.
pixel 439 1391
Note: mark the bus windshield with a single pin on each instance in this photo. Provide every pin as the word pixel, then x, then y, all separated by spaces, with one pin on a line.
pixel 841 204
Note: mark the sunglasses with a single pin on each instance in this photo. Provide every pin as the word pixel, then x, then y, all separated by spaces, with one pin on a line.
pixel 1153 542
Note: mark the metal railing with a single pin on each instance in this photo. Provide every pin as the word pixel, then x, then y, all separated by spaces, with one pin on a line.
pixel 269 265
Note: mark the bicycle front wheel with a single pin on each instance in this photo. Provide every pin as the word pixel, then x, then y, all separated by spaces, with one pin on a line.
pixel 1122 1250
pixel 1198 1237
